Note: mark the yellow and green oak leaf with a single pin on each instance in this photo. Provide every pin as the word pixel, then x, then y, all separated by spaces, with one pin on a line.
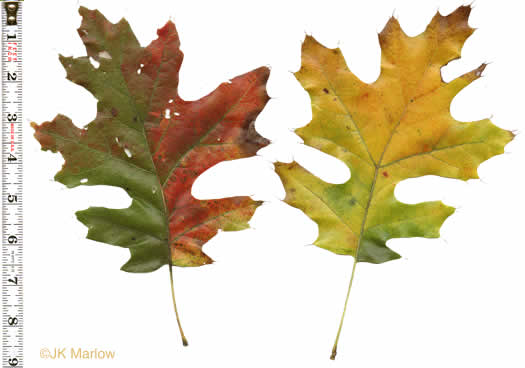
pixel 396 128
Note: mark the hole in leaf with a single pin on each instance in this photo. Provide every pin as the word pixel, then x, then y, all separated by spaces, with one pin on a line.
pixel 167 113
pixel 104 55
pixel 83 181
pixel 128 152
pixel 93 62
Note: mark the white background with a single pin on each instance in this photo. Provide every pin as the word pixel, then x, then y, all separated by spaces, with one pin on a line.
pixel 272 299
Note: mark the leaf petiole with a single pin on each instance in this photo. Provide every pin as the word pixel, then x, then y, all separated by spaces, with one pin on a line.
pixel 334 349
pixel 184 340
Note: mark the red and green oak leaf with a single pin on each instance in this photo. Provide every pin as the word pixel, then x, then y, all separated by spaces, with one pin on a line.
pixel 148 141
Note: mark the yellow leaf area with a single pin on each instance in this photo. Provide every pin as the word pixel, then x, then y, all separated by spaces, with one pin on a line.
pixel 396 128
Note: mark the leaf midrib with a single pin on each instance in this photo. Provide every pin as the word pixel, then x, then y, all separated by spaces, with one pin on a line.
pixel 377 165
pixel 143 132
pixel 165 214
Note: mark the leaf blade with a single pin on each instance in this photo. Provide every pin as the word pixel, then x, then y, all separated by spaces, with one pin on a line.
pixel 148 141
pixel 395 128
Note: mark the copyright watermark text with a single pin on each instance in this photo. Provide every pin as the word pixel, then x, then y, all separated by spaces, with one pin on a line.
pixel 76 353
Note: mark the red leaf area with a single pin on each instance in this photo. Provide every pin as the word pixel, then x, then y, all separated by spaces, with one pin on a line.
pixel 216 128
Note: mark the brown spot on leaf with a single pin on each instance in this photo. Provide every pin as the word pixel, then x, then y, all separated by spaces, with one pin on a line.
pixel 251 140
pixel 385 174
pixel 325 90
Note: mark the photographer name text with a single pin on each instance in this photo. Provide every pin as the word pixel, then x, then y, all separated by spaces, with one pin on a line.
pixel 77 353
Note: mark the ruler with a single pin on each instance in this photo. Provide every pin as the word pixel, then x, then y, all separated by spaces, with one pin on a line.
pixel 12 199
